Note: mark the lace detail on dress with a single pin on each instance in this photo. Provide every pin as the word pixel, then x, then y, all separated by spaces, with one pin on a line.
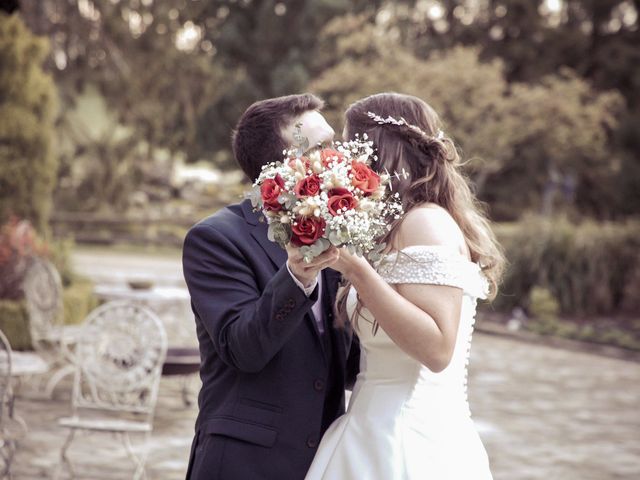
pixel 434 265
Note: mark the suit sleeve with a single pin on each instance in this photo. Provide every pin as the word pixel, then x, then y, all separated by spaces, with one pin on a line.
pixel 247 327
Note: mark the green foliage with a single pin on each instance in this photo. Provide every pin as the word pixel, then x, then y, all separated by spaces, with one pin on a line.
pixel 78 300
pixel 540 136
pixel 470 105
pixel 596 38
pixel 606 333
pixel 542 304
pixel 588 268
pixel 183 98
pixel 522 143
pixel 60 252
pixel 27 104
pixel 558 152
pixel 13 323
pixel 269 48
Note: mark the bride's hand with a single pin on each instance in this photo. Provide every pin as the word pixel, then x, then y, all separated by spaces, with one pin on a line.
pixel 349 264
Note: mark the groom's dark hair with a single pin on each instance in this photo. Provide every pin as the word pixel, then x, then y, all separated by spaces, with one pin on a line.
pixel 257 139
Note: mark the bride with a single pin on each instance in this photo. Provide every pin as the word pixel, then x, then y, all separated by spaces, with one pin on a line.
pixel 408 417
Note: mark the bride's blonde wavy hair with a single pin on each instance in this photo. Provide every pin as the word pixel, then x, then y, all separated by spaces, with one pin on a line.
pixel 433 175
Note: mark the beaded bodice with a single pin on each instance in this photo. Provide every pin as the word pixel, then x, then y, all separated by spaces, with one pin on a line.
pixel 382 362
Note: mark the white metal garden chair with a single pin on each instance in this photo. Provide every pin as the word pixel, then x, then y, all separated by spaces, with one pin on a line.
pixel 7 443
pixel 50 337
pixel 119 357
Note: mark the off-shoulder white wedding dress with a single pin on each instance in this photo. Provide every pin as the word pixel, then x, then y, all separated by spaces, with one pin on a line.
pixel 405 421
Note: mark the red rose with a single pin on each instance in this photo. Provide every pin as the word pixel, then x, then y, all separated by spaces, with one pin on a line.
pixel 330 155
pixel 341 198
pixel 270 190
pixel 308 186
pixel 364 178
pixel 306 230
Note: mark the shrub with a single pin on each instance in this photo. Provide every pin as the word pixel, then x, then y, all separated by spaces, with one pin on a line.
pixel 78 300
pixel 14 323
pixel 542 304
pixel 27 103
pixel 588 268
pixel 19 243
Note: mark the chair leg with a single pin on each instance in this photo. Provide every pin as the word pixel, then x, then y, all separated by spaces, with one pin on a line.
pixel 64 459
pixel 140 460
pixel 56 378
pixel 7 451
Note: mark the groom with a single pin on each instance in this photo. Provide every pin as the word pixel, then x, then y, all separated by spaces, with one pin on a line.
pixel 273 366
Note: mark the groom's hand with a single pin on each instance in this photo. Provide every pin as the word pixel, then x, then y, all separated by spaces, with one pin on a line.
pixel 307 272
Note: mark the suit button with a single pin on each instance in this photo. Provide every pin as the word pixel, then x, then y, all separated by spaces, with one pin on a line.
pixel 312 442
pixel 318 385
pixel 291 303
pixel 279 316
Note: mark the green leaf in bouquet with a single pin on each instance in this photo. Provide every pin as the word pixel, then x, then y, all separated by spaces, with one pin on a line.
pixel 288 199
pixel 302 142
pixel 254 196
pixel 339 237
pixel 309 252
pixel 375 254
pixel 279 233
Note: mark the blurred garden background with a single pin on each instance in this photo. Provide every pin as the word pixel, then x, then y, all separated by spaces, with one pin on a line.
pixel 116 117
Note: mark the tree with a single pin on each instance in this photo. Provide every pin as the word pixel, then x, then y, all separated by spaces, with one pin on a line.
pixel 175 75
pixel 597 39
pixel 517 137
pixel 152 78
pixel 271 45
pixel 471 105
pixel 27 107
pixel 560 150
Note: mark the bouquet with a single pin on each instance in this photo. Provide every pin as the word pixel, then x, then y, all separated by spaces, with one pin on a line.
pixel 328 196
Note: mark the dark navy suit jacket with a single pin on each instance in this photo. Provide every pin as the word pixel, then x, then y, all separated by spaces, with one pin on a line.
pixel 271 383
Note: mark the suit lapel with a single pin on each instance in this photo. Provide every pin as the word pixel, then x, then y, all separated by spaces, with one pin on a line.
pixel 259 229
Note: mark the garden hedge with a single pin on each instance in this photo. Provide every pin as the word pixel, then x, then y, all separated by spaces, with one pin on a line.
pixel 78 301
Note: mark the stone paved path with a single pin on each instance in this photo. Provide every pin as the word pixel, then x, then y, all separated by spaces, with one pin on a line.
pixel 543 413
pixel 553 414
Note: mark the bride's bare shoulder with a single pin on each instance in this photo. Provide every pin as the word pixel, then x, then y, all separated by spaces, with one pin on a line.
pixel 430 224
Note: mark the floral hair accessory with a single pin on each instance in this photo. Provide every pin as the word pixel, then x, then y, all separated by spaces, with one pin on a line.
pixel 402 122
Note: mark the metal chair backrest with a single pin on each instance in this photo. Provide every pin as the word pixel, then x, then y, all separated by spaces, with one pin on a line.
pixel 5 374
pixel 119 357
pixel 43 293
